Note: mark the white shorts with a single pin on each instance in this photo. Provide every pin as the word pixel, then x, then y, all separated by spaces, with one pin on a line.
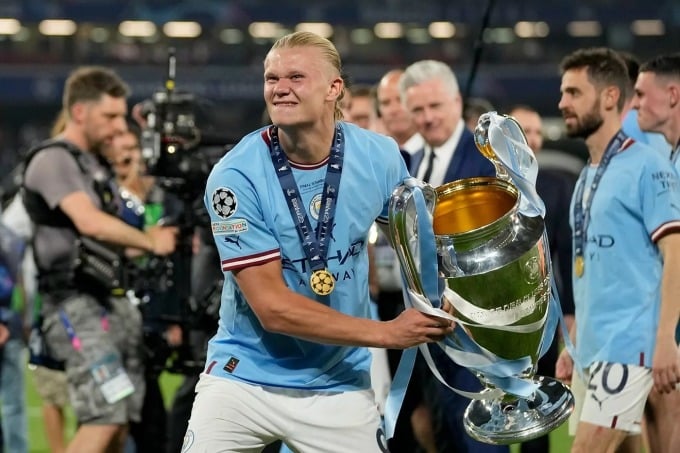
pixel 614 397
pixel 232 416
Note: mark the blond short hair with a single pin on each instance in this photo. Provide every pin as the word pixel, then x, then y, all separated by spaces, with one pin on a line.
pixel 328 50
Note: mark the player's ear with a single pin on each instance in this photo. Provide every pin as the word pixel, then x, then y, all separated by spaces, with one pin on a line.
pixel 77 112
pixel 335 88
pixel 674 95
pixel 610 97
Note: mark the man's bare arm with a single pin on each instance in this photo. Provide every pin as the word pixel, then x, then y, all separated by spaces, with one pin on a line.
pixel 93 222
pixel 282 310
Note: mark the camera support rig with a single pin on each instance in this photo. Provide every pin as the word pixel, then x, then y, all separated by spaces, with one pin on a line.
pixel 170 130
pixel 171 148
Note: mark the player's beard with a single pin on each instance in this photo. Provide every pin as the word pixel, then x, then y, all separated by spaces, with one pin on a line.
pixel 95 144
pixel 588 124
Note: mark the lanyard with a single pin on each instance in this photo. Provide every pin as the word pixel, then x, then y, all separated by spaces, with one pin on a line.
pixel 71 332
pixel 315 244
pixel 582 207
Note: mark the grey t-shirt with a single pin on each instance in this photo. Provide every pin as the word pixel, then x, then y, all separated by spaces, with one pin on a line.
pixel 54 174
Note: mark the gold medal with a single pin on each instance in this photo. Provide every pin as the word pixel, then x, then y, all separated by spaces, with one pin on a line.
pixel 579 265
pixel 322 282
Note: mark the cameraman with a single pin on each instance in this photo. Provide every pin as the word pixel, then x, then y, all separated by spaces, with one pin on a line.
pixel 68 195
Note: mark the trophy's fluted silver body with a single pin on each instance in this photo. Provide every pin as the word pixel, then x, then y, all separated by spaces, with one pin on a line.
pixel 497 259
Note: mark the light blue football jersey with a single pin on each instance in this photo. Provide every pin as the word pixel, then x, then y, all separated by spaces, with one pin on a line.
pixel 619 295
pixel 654 140
pixel 252 224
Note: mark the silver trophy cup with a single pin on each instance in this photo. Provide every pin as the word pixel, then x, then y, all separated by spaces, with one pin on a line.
pixel 495 263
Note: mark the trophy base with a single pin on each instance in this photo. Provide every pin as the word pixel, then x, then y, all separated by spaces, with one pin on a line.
pixel 500 422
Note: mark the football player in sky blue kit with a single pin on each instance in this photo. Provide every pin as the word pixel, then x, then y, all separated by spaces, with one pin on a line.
pixel 291 206
pixel 625 216
pixel 630 124
pixel 657 101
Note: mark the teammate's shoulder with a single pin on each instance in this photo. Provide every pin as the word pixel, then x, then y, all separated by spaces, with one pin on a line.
pixel 642 159
pixel 644 151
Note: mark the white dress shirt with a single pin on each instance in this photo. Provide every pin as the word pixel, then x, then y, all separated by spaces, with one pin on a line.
pixel 442 159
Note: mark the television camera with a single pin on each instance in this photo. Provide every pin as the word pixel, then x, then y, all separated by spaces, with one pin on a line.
pixel 179 154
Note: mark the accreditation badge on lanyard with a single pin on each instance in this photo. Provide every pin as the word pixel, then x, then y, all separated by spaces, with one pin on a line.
pixel 107 370
pixel 111 378
pixel 314 242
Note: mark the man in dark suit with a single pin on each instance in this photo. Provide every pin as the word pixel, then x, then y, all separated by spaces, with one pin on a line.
pixel 429 91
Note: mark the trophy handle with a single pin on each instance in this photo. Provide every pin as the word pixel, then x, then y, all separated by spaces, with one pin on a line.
pixel 483 143
pixel 501 139
pixel 403 216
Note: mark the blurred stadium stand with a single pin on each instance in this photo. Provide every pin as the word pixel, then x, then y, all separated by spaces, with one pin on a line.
pixel 220 46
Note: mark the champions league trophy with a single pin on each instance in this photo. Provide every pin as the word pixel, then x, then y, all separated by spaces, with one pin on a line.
pixel 480 243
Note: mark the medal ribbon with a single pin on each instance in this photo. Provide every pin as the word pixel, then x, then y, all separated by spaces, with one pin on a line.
pixel 581 212
pixel 314 243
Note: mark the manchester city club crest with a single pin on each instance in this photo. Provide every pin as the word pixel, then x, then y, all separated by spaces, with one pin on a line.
pixel 188 441
pixel 223 202
pixel 315 206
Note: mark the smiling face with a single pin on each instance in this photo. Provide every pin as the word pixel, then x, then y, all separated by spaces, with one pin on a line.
pixel 300 86
pixel 394 116
pixel 435 110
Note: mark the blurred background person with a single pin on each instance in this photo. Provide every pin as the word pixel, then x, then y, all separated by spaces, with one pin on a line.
pixel 429 90
pixel 396 121
pixel 362 108
pixel 50 384
pixel 473 108
pixel 144 203
pixel 12 344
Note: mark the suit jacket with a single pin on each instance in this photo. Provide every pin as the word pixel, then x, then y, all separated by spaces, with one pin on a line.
pixel 555 187
pixel 467 161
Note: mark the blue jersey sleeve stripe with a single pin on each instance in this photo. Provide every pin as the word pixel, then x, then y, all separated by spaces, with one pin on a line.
pixel 251 260
pixel 382 220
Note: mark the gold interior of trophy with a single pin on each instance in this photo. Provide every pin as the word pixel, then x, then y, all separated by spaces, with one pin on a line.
pixel 468 204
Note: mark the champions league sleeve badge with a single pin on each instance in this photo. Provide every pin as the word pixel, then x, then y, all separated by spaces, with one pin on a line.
pixel 223 202
pixel 322 282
